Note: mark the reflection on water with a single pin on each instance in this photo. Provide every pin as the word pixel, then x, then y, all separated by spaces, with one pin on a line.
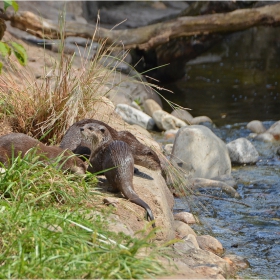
pixel 238 80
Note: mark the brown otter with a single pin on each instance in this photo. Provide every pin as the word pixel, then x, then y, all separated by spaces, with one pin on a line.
pixel 114 155
pixel 14 143
pixel 143 155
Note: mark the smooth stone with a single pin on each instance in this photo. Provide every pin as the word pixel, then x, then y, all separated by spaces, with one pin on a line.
pixel 183 115
pixel 166 121
pixel 237 262
pixel 185 217
pixel 134 116
pixel 265 137
pixel 200 152
pixel 183 229
pixel 150 106
pixel 189 243
pixel 211 244
pixel 170 134
pixel 275 130
pixel 200 119
pixel 242 151
pixel 256 127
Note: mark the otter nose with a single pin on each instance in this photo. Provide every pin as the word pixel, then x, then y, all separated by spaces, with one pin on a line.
pixel 81 129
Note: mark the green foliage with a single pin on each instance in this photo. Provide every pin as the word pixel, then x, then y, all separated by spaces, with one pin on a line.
pixel 48 231
pixel 19 52
pixel 5 49
pixel 10 3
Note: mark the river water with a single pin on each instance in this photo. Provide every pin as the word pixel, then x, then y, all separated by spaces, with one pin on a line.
pixel 235 82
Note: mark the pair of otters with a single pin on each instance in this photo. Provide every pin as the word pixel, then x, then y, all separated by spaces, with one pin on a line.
pixel 105 147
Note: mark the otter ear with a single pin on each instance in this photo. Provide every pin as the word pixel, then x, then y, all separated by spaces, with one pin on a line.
pixel 102 130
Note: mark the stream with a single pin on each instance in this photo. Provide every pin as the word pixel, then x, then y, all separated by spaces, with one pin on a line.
pixel 235 82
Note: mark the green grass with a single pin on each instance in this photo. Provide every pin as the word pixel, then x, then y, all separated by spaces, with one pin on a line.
pixel 48 229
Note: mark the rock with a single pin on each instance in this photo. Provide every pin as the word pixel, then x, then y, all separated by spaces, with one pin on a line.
pixel 170 134
pixel 200 152
pixel 242 151
pixel 201 119
pixel 151 106
pixel 237 262
pixel 168 149
pixel 117 226
pixel 265 137
pixel 278 151
pixel 185 217
pixel 256 127
pixel 211 244
pixel 127 89
pixel 165 121
pixel 275 130
pixel 183 229
pixel 199 259
pixel 134 116
pixel 189 242
pixel 183 115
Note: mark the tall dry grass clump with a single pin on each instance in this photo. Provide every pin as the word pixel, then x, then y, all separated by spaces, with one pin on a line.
pixel 64 93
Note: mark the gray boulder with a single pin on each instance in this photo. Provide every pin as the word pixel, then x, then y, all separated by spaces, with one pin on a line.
pixel 242 151
pixel 200 152
pixel 134 116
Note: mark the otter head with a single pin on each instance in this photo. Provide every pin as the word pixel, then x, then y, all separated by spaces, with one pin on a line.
pixel 95 135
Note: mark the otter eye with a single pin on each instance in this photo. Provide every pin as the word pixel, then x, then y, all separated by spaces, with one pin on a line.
pixel 149 153
pixel 102 130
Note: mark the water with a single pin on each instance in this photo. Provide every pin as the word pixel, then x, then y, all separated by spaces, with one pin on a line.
pixel 235 82
pixel 254 232
pixel 238 80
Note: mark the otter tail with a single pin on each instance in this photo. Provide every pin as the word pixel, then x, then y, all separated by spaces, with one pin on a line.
pixel 143 204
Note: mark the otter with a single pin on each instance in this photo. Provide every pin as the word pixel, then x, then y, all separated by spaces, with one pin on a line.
pixel 115 157
pixel 13 143
pixel 142 154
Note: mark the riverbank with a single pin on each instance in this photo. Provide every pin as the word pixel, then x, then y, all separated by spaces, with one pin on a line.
pixel 38 58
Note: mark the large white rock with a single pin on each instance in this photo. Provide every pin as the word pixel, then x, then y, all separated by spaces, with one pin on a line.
pixel 166 121
pixel 134 116
pixel 242 151
pixel 200 152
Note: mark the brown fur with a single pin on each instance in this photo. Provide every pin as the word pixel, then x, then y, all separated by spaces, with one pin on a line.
pixel 143 155
pixel 14 143
pixel 114 155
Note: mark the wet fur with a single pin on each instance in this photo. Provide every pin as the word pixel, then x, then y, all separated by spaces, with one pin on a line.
pixel 14 143
pixel 114 155
pixel 143 155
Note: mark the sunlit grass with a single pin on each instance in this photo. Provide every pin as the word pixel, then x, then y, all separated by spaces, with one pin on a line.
pixel 48 229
